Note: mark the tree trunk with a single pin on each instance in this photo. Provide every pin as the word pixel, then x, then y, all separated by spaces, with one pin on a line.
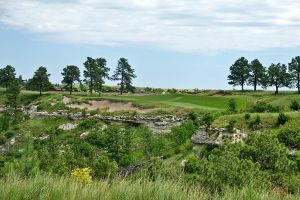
pixel 122 84
pixel 276 92
pixel 40 91
pixel 91 87
pixel 255 83
pixel 71 89
pixel 298 84
pixel 242 86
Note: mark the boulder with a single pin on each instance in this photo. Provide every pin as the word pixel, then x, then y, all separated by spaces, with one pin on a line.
pixel 84 135
pixel 67 126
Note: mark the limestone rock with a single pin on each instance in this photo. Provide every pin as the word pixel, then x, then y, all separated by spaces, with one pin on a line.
pixel 84 135
pixel 67 126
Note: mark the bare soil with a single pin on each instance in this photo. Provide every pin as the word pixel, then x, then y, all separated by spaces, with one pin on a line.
pixel 107 105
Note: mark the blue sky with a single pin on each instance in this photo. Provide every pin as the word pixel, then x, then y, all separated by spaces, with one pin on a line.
pixel 179 43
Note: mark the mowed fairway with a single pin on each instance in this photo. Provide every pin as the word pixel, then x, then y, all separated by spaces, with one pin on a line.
pixel 185 101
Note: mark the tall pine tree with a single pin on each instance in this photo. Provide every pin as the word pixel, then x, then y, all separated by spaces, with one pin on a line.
pixel 294 69
pixel 278 76
pixel 257 74
pixel 40 80
pixel 124 73
pixel 70 74
pixel 95 73
pixel 7 75
pixel 239 73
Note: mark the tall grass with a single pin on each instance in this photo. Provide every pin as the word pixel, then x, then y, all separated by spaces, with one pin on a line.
pixel 56 188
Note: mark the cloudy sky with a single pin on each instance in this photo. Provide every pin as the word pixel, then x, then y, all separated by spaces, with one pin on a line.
pixel 170 43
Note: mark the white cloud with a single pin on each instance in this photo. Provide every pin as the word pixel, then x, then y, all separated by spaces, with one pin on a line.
pixel 180 25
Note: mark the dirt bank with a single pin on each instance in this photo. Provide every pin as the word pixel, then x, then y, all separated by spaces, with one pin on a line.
pixel 107 105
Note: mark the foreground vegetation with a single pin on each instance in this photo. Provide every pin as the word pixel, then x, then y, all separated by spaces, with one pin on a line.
pixel 53 187
pixel 41 160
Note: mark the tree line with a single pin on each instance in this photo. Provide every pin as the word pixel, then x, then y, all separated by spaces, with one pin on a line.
pixel 253 73
pixel 95 73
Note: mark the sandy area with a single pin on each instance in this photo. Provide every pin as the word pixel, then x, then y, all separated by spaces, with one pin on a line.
pixel 107 105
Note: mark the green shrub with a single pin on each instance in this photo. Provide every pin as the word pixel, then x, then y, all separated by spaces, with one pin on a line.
pixel 232 106
pixel 9 134
pixel 289 134
pixel 230 127
pixel 265 149
pixel 89 123
pixel 183 132
pixel 2 139
pixel 294 105
pixel 247 116
pixel 282 119
pixel 207 120
pixel 261 106
pixel 255 123
pixel 220 171
pixel 104 167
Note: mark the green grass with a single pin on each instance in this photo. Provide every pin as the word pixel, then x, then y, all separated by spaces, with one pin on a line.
pixel 56 188
pixel 206 101
pixel 201 102
pixel 268 120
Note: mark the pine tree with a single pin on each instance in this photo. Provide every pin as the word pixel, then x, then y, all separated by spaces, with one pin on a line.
pixel 239 72
pixel 278 76
pixel 124 73
pixel 40 80
pixel 70 74
pixel 7 75
pixel 101 74
pixel 13 99
pixel 95 73
pixel 294 69
pixel 257 74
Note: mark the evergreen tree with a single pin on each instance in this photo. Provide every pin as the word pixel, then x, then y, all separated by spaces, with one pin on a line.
pixel 21 81
pixel 89 73
pixel 101 74
pixel 70 74
pixel 7 75
pixel 294 69
pixel 40 80
pixel 239 72
pixel 278 76
pixel 124 73
pixel 95 72
pixel 13 99
pixel 257 74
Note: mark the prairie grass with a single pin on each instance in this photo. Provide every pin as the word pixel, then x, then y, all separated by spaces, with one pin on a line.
pixel 51 187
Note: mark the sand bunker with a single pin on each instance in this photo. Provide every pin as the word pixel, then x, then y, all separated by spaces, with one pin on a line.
pixel 107 105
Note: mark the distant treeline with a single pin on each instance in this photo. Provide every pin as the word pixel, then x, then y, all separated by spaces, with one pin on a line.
pixel 255 74
pixel 95 73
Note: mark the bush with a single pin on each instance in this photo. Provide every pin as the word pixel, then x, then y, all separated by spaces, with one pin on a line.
pixel 247 116
pixel 265 149
pixel 232 106
pixel 183 132
pixel 89 123
pixel 294 105
pixel 255 124
pixel 289 134
pixel 207 120
pixel 2 140
pixel 9 134
pixel 105 167
pixel 260 107
pixel 192 116
pixel 82 175
pixel 282 119
pixel 220 171
pixel 230 127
